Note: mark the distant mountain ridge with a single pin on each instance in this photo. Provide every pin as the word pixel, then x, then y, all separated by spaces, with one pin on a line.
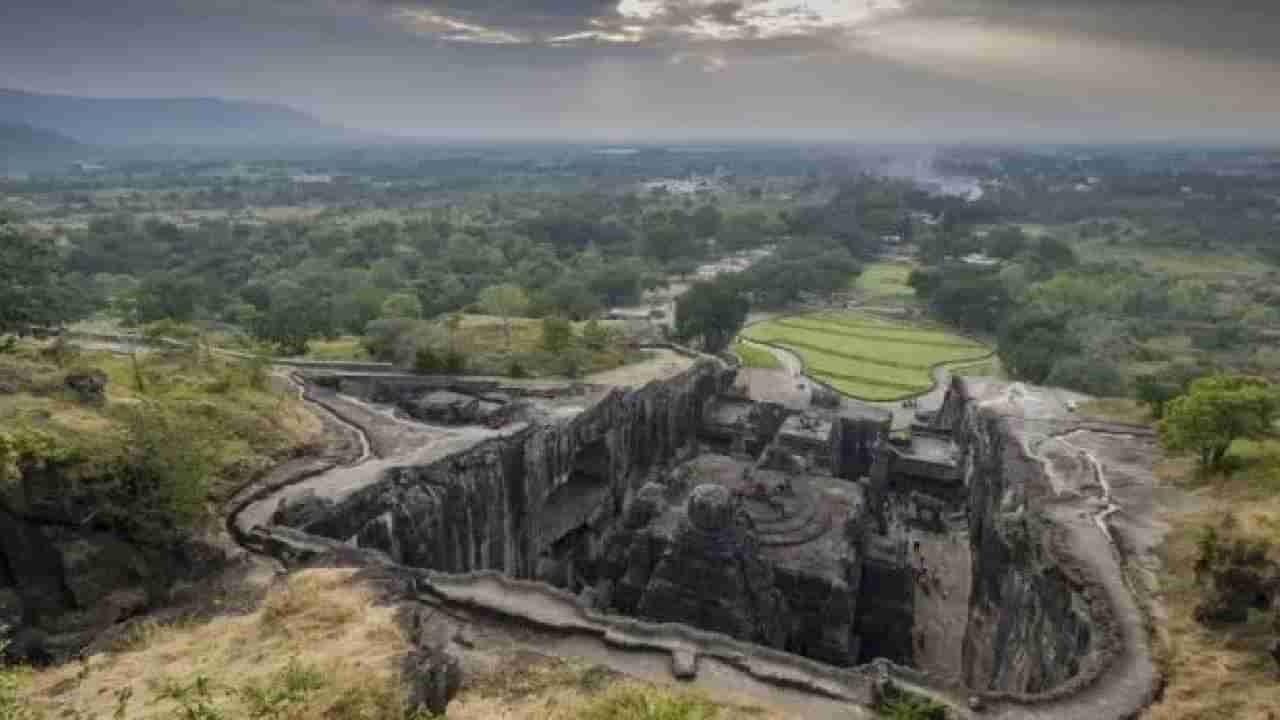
pixel 24 148
pixel 170 121
pixel 23 138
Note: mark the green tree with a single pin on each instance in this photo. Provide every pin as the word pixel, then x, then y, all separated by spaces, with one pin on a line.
pixel 557 334
pixel 1216 412
pixel 712 311
pixel 34 289
pixel 706 221
pixel 595 336
pixel 504 301
pixel 167 296
pixel 402 305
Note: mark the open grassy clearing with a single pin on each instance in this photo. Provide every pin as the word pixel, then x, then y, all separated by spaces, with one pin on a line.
pixel 867 357
pixel 343 348
pixel 320 646
pixel 753 356
pixel 883 280
pixel 245 424
pixel 1219 671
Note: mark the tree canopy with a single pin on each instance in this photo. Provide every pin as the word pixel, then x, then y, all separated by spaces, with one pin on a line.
pixel 34 287
pixel 1217 411
pixel 713 312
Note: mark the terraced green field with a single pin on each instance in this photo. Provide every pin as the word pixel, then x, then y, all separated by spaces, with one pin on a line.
pixel 864 356
pixel 754 356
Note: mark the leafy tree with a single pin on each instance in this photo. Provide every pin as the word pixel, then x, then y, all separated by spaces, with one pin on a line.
pixel 403 305
pixel 504 301
pixel 713 311
pixel 571 297
pixel 706 221
pixel 1006 242
pixel 1054 254
pixel 1094 376
pixel 1155 390
pixel 296 315
pixel 595 336
pixel 1216 412
pixel 1033 342
pixel 557 334
pixel 34 289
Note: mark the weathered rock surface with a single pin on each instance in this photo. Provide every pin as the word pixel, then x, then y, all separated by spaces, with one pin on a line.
pixel 505 503
pixel 446 407
pixel 1028 625
pixel 711 576
pixel 90 386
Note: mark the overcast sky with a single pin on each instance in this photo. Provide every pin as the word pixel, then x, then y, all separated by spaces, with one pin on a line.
pixel 911 70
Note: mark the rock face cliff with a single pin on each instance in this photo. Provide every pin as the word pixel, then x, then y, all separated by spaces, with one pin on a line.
pixel 512 503
pixel 62 583
pixel 1028 628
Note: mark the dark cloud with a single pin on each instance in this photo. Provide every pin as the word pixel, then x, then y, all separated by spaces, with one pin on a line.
pixel 906 69
pixel 1240 28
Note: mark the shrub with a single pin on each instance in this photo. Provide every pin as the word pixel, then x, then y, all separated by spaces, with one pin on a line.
pixel 633 702
pixel 517 370
pixel 595 336
pixel 1092 376
pixel 455 362
pixel 899 704
pixel 426 361
pixel 557 334
pixel 158 488
pixel 12 707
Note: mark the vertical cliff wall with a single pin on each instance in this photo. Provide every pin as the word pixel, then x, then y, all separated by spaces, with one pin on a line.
pixel 504 503
pixel 1028 628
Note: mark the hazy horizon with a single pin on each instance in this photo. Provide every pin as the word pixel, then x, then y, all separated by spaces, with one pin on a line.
pixel 915 71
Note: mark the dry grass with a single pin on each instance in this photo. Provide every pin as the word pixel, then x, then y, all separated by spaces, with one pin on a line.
pixel 532 687
pixel 318 622
pixel 1118 410
pixel 1218 673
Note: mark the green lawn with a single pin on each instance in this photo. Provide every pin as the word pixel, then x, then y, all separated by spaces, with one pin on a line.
pixel 884 280
pixel 753 356
pixel 343 348
pixel 864 356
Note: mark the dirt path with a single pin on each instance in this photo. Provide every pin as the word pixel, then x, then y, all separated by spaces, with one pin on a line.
pixel 664 364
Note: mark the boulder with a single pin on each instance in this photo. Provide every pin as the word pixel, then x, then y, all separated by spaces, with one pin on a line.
pixel 432 678
pixel 100 565
pixel 449 408
pixel 431 674
pixel 302 511
pixel 90 386
pixel 35 567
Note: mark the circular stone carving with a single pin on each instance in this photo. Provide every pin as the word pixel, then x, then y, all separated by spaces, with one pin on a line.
pixel 711 507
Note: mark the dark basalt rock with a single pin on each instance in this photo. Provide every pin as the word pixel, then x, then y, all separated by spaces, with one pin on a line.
pixel 89 385
pixel 451 408
pixel 712 575
pixel 303 510
pixel 431 674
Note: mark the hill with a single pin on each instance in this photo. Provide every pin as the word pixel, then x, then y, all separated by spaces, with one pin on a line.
pixel 169 121
pixel 25 148
pixel 21 138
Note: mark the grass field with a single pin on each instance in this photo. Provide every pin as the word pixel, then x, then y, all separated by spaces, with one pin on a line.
pixel 883 281
pixel 753 356
pixel 867 357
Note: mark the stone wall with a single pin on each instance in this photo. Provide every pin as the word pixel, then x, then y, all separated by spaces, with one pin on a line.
pixel 1028 628
pixel 502 504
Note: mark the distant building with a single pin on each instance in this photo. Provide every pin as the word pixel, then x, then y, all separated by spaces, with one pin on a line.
pixel 979 259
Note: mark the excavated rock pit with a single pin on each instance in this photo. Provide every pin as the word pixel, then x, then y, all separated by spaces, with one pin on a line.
pixel 974 557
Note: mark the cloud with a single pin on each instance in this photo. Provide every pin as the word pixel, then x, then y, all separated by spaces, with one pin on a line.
pixel 1237 28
